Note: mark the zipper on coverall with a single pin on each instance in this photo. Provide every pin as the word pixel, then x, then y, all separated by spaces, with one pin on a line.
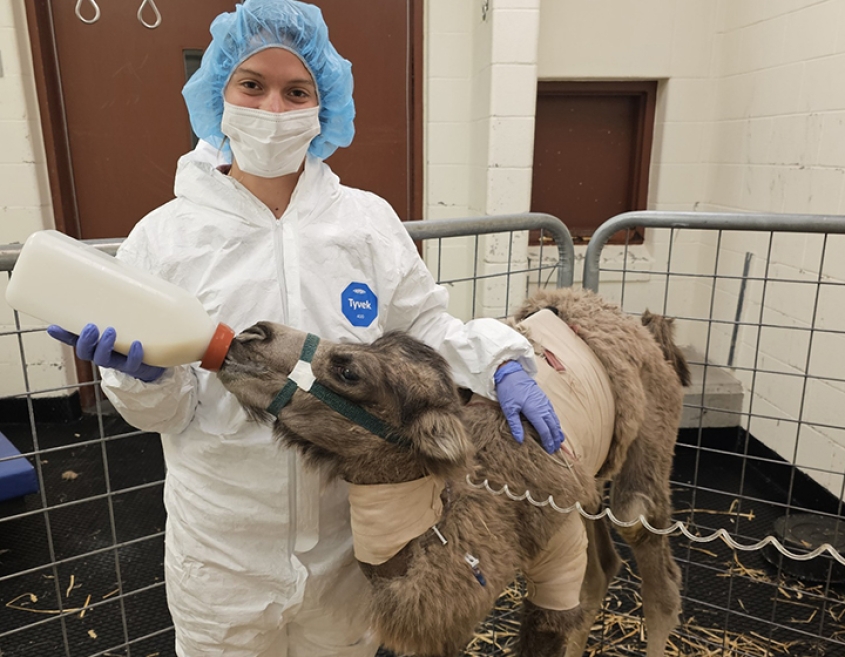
pixel 304 493
pixel 279 251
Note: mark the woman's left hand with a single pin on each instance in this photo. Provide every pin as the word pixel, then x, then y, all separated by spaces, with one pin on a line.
pixel 519 393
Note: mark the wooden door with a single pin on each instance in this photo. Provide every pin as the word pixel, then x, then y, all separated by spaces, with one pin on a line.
pixel 115 122
pixel 592 151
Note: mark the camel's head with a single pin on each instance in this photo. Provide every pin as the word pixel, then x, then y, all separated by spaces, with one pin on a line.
pixel 396 386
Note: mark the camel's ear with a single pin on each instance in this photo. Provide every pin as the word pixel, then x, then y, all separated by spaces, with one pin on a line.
pixel 439 436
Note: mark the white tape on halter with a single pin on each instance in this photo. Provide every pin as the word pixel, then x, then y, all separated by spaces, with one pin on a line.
pixel 302 375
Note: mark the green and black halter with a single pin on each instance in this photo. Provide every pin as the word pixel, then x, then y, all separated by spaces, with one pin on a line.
pixel 303 378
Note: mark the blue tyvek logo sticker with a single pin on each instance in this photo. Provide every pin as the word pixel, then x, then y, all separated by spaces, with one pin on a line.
pixel 359 304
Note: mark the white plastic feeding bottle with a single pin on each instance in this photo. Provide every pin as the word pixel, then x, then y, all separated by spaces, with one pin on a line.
pixel 63 281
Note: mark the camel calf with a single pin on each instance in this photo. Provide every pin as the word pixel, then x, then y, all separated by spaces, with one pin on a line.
pixel 389 415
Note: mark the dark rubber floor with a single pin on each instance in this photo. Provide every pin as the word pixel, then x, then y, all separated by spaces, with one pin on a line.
pixel 87 482
pixel 94 473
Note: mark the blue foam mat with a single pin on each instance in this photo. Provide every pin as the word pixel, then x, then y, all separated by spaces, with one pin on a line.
pixel 17 476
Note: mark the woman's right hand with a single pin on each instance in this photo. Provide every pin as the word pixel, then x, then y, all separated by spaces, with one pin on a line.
pixel 89 345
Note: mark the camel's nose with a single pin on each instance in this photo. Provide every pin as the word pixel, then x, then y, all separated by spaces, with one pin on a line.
pixel 260 331
pixel 241 350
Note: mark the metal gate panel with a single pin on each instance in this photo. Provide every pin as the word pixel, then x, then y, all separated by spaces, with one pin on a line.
pixel 81 571
pixel 83 574
pixel 759 300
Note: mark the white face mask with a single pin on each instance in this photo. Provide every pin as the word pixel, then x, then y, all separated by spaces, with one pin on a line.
pixel 269 144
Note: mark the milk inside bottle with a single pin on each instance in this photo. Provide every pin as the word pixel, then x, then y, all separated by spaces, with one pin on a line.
pixel 62 281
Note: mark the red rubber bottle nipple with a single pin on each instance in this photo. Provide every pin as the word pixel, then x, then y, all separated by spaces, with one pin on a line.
pixel 217 349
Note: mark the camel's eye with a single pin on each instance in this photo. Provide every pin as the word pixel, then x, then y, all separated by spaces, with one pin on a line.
pixel 346 374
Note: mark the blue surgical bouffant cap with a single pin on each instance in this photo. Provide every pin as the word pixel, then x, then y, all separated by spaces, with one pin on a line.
pixel 254 26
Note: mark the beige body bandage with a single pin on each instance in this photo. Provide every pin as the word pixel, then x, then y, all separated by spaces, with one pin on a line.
pixel 386 517
pixel 554 577
pixel 580 394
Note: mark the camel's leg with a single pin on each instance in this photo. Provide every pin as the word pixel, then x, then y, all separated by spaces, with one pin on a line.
pixel 642 488
pixel 602 565
pixel 544 632
pixel 660 588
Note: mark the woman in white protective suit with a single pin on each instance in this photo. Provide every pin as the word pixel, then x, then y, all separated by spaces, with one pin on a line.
pixel 258 558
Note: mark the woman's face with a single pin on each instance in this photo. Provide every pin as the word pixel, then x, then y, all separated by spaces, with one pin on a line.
pixel 273 80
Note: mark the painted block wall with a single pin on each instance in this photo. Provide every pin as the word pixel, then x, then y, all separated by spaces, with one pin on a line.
pixel 749 117
pixel 448 141
pixel 777 145
pixel 670 41
pixel 479 138
pixel 24 203
pixel 665 40
pixel 24 189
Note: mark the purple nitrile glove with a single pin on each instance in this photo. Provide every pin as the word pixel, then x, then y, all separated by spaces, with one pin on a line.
pixel 519 393
pixel 100 350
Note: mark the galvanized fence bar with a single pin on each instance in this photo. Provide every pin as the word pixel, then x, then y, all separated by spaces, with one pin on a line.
pixel 9 252
pixel 424 230
pixel 733 221
pixel 551 226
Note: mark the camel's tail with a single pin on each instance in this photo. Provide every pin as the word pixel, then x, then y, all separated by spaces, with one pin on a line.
pixel 663 330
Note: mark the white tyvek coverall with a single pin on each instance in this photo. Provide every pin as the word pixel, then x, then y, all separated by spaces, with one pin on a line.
pixel 252 543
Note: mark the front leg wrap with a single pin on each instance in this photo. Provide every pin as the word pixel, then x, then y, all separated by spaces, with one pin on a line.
pixel 555 575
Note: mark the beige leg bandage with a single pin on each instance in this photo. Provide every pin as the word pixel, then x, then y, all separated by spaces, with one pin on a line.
pixel 556 574
pixel 385 517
